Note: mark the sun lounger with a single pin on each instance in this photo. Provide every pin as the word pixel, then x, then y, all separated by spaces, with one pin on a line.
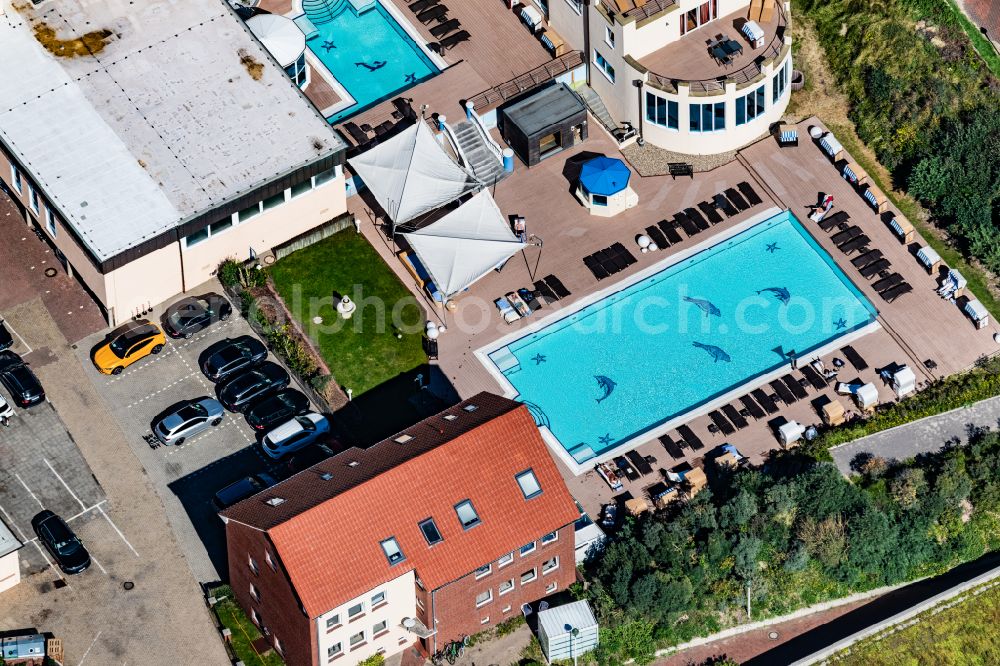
pixel 356 133
pixel 737 200
pixel 721 423
pixel 887 283
pixel 639 462
pixel 546 291
pixel 710 212
pixel 697 218
pixel 557 286
pixel 670 231
pixel 722 203
pixel 854 358
pixel 657 236
pixel 875 268
pixel 765 401
pixel 507 311
pixel 692 439
pixel 795 387
pixel 842 237
pixel 855 244
pixel 866 258
pixel 591 262
pixel 625 468
pixel 435 13
pixel 781 389
pixel 621 251
pixel 735 417
pixel 690 228
pixel 751 195
pixel 814 377
pixel 440 31
pixel 892 294
pixel 671 447
pixel 751 406
pixel 608 474
pixel 608 261
pixel 454 39
pixel 832 221
pixel 519 304
pixel 528 297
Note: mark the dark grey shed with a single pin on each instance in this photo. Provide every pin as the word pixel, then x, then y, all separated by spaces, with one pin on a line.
pixel 545 123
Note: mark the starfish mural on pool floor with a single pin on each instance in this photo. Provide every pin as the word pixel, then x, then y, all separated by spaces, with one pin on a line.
pixel 840 323
pixel 411 78
pixel 605 439
pixel 328 44
pixel 538 359
pixel 772 247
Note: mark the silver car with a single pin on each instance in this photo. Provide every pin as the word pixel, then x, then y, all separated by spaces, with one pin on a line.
pixel 188 420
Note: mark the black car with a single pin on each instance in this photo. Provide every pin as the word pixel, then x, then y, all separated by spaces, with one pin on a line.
pixel 61 542
pixel 242 489
pixel 6 340
pixel 190 315
pixel 233 355
pixel 20 380
pixel 238 393
pixel 276 409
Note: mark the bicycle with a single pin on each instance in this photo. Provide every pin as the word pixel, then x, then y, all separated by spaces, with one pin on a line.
pixel 451 651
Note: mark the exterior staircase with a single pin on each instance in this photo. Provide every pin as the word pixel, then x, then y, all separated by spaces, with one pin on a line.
pixel 596 106
pixel 320 11
pixel 484 163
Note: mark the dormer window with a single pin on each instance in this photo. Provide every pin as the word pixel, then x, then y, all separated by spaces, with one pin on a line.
pixel 392 552
pixel 529 483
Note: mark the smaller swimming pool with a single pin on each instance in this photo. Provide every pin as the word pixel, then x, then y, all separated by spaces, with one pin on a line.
pixel 367 52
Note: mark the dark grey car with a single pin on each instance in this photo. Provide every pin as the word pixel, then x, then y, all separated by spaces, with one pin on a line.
pixel 238 393
pixel 233 355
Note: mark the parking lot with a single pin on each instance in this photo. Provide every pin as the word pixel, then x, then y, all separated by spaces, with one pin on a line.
pixel 187 476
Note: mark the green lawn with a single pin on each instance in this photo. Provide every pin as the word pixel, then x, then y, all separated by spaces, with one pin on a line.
pixel 962 634
pixel 244 631
pixel 364 352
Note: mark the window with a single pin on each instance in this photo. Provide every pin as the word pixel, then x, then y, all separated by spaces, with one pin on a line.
pixel 252 564
pixel 505 609
pixel 528 576
pixel 708 117
pixel 660 111
pixel 484 598
pixel 548 566
pixel 506 586
pixel 277 644
pixel 249 212
pixel 599 199
pixel 335 650
pixel 392 552
pixel 550 537
pixel 333 622
pixel 378 599
pixel 220 226
pixel 50 221
pixel 551 587
pixel 779 82
pixel 357 639
pixel 466 514
pixel 529 484
pixel 211 230
pixel 549 143
pixel 15 175
pixel 254 616
pixel 326 176
pixel 485 620
pixel 505 559
pixel 254 592
pixel 33 197
pixel 355 610
pixel 274 201
pixel 609 36
pixel 301 188
pixel 749 106
pixel 270 562
pixel 483 571
pixel 379 629
pixel 431 532
pixel 699 16
pixel 576 5
pixel 604 66
pixel 470 408
pixel 527 549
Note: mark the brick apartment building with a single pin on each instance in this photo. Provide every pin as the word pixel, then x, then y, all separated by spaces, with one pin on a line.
pixel 440 531
pixel 146 142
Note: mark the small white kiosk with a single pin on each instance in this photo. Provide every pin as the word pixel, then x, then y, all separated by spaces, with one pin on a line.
pixel 866 396
pixel 904 382
pixel 567 631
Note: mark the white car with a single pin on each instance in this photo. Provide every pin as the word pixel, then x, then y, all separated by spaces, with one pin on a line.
pixel 6 411
pixel 295 434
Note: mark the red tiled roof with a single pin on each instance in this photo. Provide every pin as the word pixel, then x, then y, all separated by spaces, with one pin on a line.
pixel 332 550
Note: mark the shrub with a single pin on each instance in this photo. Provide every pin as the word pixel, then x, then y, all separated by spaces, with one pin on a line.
pixel 234 274
pixel 374 660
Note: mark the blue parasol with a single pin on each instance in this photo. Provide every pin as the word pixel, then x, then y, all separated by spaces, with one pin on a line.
pixel 605 176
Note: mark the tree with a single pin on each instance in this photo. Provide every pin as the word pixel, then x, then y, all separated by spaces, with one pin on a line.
pixel 826 539
pixel 738 511
pixel 907 487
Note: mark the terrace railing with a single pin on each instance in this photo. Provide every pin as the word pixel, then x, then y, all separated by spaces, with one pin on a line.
pixel 531 79
pixel 651 8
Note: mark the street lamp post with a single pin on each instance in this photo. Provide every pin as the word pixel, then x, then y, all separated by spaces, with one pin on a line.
pixel 573 633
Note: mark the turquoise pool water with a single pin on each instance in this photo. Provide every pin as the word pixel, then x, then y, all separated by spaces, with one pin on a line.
pixel 681 337
pixel 368 53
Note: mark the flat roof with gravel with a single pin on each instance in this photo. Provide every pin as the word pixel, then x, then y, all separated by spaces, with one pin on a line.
pixel 133 118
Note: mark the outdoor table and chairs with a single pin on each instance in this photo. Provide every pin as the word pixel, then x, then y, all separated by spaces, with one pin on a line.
pixel 723 49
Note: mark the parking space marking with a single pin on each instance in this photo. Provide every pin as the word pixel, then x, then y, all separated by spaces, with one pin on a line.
pixel 10 521
pixel 35 497
pixel 173 349
pixel 92 643
pixel 187 445
pixel 161 390
pixel 115 527
pixel 65 485
pixel 41 551
pixel 19 337
pixel 99 566
pixel 68 520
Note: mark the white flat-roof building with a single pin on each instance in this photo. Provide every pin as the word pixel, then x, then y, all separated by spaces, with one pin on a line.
pixel 151 141
pixel 10 570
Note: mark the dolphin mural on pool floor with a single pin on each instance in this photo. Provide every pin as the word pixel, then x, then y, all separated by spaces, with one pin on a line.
pixel 706 306
pixel 377 64
pixel 606 384
pixel 714 352
pixel 779 292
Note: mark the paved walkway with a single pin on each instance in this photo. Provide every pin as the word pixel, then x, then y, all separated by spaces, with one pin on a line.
pixel 923 436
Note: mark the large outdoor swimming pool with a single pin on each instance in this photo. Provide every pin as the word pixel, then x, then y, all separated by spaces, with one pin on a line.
pixel 368 53
pixel 679 336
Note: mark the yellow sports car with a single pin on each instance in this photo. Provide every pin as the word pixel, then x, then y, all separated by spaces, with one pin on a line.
pixel 134 341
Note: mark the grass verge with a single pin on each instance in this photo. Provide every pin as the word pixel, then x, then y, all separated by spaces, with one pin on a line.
pixel 982 45
pixel 244 632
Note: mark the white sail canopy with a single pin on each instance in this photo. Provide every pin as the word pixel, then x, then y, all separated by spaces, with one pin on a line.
pixel 465 244
pixel 411 174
